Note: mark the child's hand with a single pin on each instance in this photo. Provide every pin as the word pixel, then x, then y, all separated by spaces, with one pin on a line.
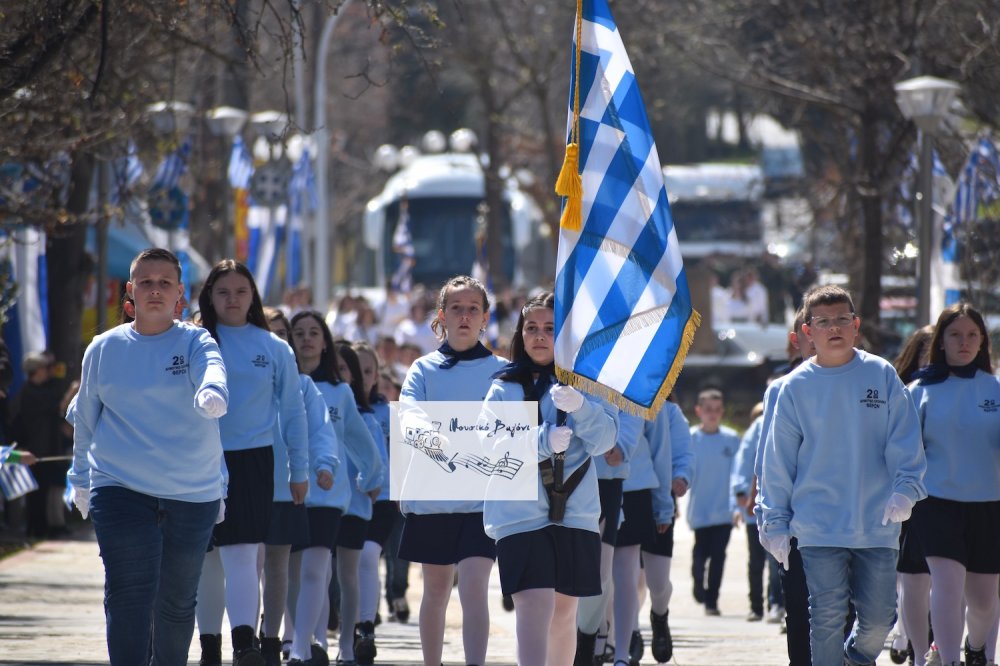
pixel 897 509
pixel 559 438
pixel 81 498
pixel 210 403
pixel 324 479
pixel 566 398
pixel 679 487
pixel 779 546
pixel 614 457
pixel 299 490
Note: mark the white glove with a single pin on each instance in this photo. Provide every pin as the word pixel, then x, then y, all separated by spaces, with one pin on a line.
pixel 897 509
pixel 559 438
pixel 222 511
pixel 779 546
pixel 566 398
pixel 81 497
pixel 210 403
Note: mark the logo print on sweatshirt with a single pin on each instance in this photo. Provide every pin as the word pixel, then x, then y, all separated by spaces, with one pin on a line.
pixel 260 361
pixel 178 365
pixel 990 405
pixel 334 414
pixel 871 399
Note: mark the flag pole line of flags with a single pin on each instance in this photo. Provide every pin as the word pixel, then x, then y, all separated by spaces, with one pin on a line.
pixel 623 313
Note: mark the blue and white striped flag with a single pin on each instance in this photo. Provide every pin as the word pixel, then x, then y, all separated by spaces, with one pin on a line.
pixel 16 480
pixel 26 327
pixel 302 199
pixel 402 245
pixel 978 185
pixel 125 172
pixel 623 317
pixel 240 165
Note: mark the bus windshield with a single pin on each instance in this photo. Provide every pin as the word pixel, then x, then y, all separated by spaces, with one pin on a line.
pixel 443 232
pixel 716 221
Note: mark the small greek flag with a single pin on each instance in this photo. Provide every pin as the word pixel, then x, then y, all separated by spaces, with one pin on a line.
pixel 402 245
pixel 15 480
pixel 978 185
pixel 240 165
pixel 623 315
pixel 125 172
pixel 302 199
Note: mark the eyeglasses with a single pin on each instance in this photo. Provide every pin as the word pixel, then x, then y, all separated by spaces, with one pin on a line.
pixel 843 321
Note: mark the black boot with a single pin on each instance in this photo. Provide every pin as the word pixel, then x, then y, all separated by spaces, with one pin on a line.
pixel 245 652
pixel 636 647
pixel 364 643
pixel 270 649
pixel 584 648
pixel 663 643
pixel 975 657
pixel 211 650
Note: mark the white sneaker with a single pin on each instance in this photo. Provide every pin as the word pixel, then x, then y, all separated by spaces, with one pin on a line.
pixel 775 615
pixel 932 657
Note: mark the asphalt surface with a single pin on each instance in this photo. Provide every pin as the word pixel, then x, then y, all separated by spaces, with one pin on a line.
pixel 51 613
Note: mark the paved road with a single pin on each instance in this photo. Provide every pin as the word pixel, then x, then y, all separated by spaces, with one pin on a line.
pixel 51 613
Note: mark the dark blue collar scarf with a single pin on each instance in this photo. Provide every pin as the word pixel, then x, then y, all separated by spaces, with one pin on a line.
pixel 471 354
pixel 935 373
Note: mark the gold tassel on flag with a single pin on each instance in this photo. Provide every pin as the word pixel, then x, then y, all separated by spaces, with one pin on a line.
pixel 569 184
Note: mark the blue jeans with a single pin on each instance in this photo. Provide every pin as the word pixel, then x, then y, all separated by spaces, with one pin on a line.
pixel 866 576
pixel 145 540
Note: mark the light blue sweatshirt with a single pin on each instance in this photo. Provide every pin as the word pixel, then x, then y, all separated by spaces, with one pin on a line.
pixel 710 502
pixel 363 471
pixel 324 449
pixel 742 479
pixel 375 430
pixel 682 457
pixel 594 428
pixel 842 440
pixel 380 410
pixel 648 458
pixel 960 420
pixel 263 380
pixel 628 439
pixel 670 440
pixel 469 381
pixel 135 420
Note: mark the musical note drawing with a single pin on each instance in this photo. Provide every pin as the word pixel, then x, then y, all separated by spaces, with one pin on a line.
pixel 429 442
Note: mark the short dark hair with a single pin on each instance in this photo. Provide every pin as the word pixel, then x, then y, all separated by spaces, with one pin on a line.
pixel 155 254
pixel 710 394
pixel 828 294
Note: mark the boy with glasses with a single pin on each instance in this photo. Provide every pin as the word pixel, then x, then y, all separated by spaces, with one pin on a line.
pixel 843 464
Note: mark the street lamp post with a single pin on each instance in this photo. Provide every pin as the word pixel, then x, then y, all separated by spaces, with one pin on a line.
pixel 925 101
pixel 227 122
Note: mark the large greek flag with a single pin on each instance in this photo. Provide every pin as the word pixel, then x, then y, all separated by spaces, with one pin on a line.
pixel 624 319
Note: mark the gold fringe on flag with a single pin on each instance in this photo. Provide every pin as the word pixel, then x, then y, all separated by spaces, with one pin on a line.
pixel 569 184
pixel 590 386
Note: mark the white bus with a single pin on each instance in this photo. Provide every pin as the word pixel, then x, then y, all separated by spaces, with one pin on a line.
pixel 443 193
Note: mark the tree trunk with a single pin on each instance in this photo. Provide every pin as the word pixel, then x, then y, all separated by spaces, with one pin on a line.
pixel 493 188
pixel 68 267
pixel 871 212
